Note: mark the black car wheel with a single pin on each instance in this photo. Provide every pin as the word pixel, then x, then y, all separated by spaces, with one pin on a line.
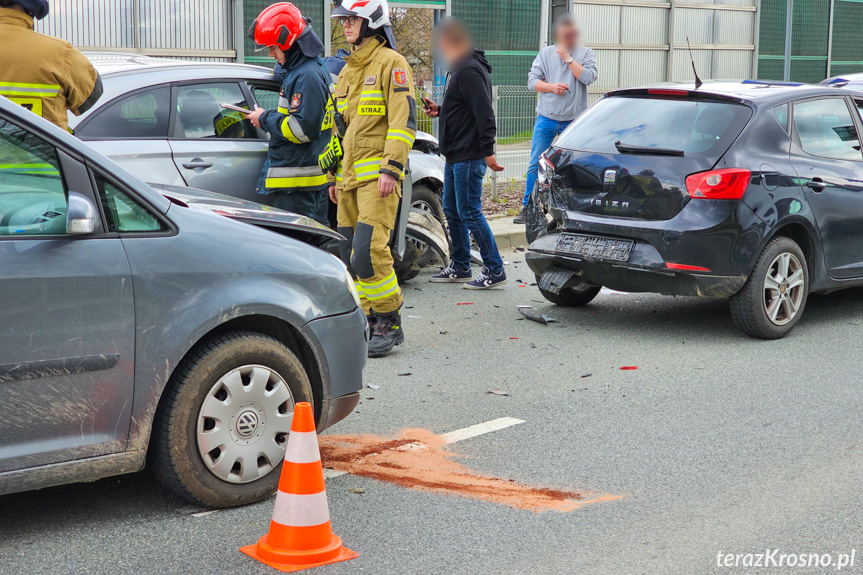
pixel 576 296
pixel 772 301
pixel 220 434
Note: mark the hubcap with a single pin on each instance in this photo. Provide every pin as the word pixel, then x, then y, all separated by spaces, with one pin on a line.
pixel 244 422
pixel 783 289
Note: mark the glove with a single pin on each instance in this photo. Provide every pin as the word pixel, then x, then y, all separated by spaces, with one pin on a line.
pixel 332 156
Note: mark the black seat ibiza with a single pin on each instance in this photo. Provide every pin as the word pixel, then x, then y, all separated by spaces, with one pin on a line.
pixel 751 191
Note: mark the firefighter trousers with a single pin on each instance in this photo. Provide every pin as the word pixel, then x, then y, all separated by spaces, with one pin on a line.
pixel 366 220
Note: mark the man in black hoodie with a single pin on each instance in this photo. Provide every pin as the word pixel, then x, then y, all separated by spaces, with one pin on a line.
pixel 467 135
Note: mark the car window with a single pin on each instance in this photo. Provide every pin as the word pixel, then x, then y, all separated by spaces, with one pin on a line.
pixel 32 193
pixel 859 105
pixel 122 212
pixel 698 128
pixel 267 98
pixel 826 128
pixel 142 115
pixel 202 117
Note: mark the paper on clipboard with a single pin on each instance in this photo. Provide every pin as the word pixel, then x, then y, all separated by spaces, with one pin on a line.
pixel 236 108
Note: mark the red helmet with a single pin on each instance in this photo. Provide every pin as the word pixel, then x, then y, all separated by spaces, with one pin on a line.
pixel 278 25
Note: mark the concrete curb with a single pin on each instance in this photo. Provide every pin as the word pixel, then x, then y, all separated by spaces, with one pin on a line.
pixel 508 234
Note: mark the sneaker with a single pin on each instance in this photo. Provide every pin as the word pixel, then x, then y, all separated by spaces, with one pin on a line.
pixel 451 275
pixel 487 280
pixel 519 219
pixel 388 334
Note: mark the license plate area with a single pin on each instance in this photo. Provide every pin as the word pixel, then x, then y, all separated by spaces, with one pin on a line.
pixel 595 247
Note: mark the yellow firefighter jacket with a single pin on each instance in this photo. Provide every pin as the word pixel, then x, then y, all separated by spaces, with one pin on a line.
pixel 44 74
pixel 375 94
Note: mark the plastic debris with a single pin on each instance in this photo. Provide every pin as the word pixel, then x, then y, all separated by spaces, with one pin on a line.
pixel 586 375
pixel 373 386
pixel 442 332
pixel 533 315
pixel 513 338
pixel 405 374
pixel 357 490
pixel 465 303
pixel 498 392
pixel 629 367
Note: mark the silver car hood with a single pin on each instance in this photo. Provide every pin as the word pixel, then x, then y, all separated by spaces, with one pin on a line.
pixel 248 212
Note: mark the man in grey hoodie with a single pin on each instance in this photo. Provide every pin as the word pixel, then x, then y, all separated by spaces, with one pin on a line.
pixel 560 74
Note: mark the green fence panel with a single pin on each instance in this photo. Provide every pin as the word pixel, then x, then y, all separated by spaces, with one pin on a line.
pixel 313 9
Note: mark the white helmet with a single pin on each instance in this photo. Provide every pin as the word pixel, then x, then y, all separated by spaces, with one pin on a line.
pixel 375 14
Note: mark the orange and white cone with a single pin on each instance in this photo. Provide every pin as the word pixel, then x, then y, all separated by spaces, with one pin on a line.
pixel 300 534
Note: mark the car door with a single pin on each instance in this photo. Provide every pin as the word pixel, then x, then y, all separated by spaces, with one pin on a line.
pixel 133 131
pixel 827 157
pixel 216 149
pixel 66 313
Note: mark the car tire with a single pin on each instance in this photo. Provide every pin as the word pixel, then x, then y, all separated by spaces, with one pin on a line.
pixel 423 198
pixel 753 307
pixel 177 454
pixel 576 296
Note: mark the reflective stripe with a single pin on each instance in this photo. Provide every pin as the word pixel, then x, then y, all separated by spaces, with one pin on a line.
pixel 301 510
pixel 341 106
pixel 293 132
pixel 402 135
pixel 339 176
pixel 284 102
pixel 372 95
pixel 305 177
pixel 360 291
pixel 302 447
pixel 382 289
pixel 42 169
pixel 23 89
pixel 368 169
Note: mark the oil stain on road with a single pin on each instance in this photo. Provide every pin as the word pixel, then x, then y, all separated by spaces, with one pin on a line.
pixel 416 460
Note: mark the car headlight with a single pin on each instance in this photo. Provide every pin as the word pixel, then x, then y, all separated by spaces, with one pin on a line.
pixel 352 287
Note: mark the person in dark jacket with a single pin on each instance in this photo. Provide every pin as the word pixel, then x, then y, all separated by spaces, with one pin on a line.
pixel 467 136
pixel 300 127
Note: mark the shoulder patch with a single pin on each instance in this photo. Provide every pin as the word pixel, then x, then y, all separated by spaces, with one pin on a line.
pixel 400 77
pixel 370 80
pixel 296 100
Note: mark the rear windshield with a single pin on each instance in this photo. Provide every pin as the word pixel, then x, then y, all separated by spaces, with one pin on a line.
pixel 697 128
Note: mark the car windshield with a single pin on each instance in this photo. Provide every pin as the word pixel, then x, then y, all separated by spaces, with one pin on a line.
pixel 624 124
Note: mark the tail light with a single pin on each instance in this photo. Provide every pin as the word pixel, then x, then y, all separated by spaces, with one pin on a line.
pixel 725 184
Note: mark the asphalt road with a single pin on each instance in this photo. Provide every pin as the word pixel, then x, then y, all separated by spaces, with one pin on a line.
pixel 716 442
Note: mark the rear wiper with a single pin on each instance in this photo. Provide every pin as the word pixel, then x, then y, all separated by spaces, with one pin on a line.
pixel 646 150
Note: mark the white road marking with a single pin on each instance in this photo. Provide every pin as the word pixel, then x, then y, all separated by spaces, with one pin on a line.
pixel 451 437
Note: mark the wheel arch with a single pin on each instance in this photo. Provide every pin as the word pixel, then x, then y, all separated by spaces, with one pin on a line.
pixel 801 233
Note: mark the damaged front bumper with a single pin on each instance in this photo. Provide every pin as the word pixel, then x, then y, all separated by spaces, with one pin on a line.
pixel 645 271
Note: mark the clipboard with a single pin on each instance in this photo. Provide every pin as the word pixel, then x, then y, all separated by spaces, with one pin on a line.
pixel 236 108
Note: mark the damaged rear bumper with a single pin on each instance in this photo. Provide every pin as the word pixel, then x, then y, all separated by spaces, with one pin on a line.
pixel 645 272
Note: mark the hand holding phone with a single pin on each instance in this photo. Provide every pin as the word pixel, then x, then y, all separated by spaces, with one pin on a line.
pixel 431 109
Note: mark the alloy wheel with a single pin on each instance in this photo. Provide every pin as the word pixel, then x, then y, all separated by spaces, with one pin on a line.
pixel 243 423
pixel 784 287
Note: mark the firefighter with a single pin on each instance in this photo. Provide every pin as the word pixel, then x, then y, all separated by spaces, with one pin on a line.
pixel 45 75
pixel 375 94
pixel 300 127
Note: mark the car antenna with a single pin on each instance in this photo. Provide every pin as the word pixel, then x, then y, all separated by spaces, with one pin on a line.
pixel 698 82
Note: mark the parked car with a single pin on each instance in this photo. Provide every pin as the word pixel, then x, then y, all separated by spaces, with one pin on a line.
pixel 157 118
pixel 844 81
pixel 748 191
pixel 134 328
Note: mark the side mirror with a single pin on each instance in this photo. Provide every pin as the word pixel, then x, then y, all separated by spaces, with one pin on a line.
pixel 81 215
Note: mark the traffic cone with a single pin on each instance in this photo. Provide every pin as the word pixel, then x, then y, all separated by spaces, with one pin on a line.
pixel 300 534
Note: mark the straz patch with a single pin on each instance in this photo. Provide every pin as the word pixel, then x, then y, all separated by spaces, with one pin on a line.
pixel 371 80
pixel 400 77
pixel 376 110
pixel 296 100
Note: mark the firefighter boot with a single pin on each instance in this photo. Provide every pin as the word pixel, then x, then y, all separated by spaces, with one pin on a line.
pixel 388 334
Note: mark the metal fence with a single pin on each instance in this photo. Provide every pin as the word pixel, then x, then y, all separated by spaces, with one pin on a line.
pixel 189 29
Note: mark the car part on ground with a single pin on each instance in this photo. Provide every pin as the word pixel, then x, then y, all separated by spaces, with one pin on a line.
pixel 427 245
pixel 684 192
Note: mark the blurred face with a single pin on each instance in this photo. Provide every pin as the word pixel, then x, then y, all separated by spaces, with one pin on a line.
pixel 277 54
pixel 352 27
pixel 567 36
pixel 452 50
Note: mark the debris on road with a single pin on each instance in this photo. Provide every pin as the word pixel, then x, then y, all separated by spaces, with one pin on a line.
pixel 586 375
pixel 629 367
pixel 498 392
pixel 357 490
pixel 465 303
pixel 534 315
pixel 405 374
pixel 442 332
pixel 373 386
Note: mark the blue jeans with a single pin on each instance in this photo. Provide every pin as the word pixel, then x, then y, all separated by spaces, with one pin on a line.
pixel 544 132
pixel 462 205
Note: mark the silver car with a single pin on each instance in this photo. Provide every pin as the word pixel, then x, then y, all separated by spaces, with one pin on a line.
pixel 139 326
pixel 158 119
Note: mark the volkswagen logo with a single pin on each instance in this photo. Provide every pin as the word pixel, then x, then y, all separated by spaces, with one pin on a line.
pixel 247 423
